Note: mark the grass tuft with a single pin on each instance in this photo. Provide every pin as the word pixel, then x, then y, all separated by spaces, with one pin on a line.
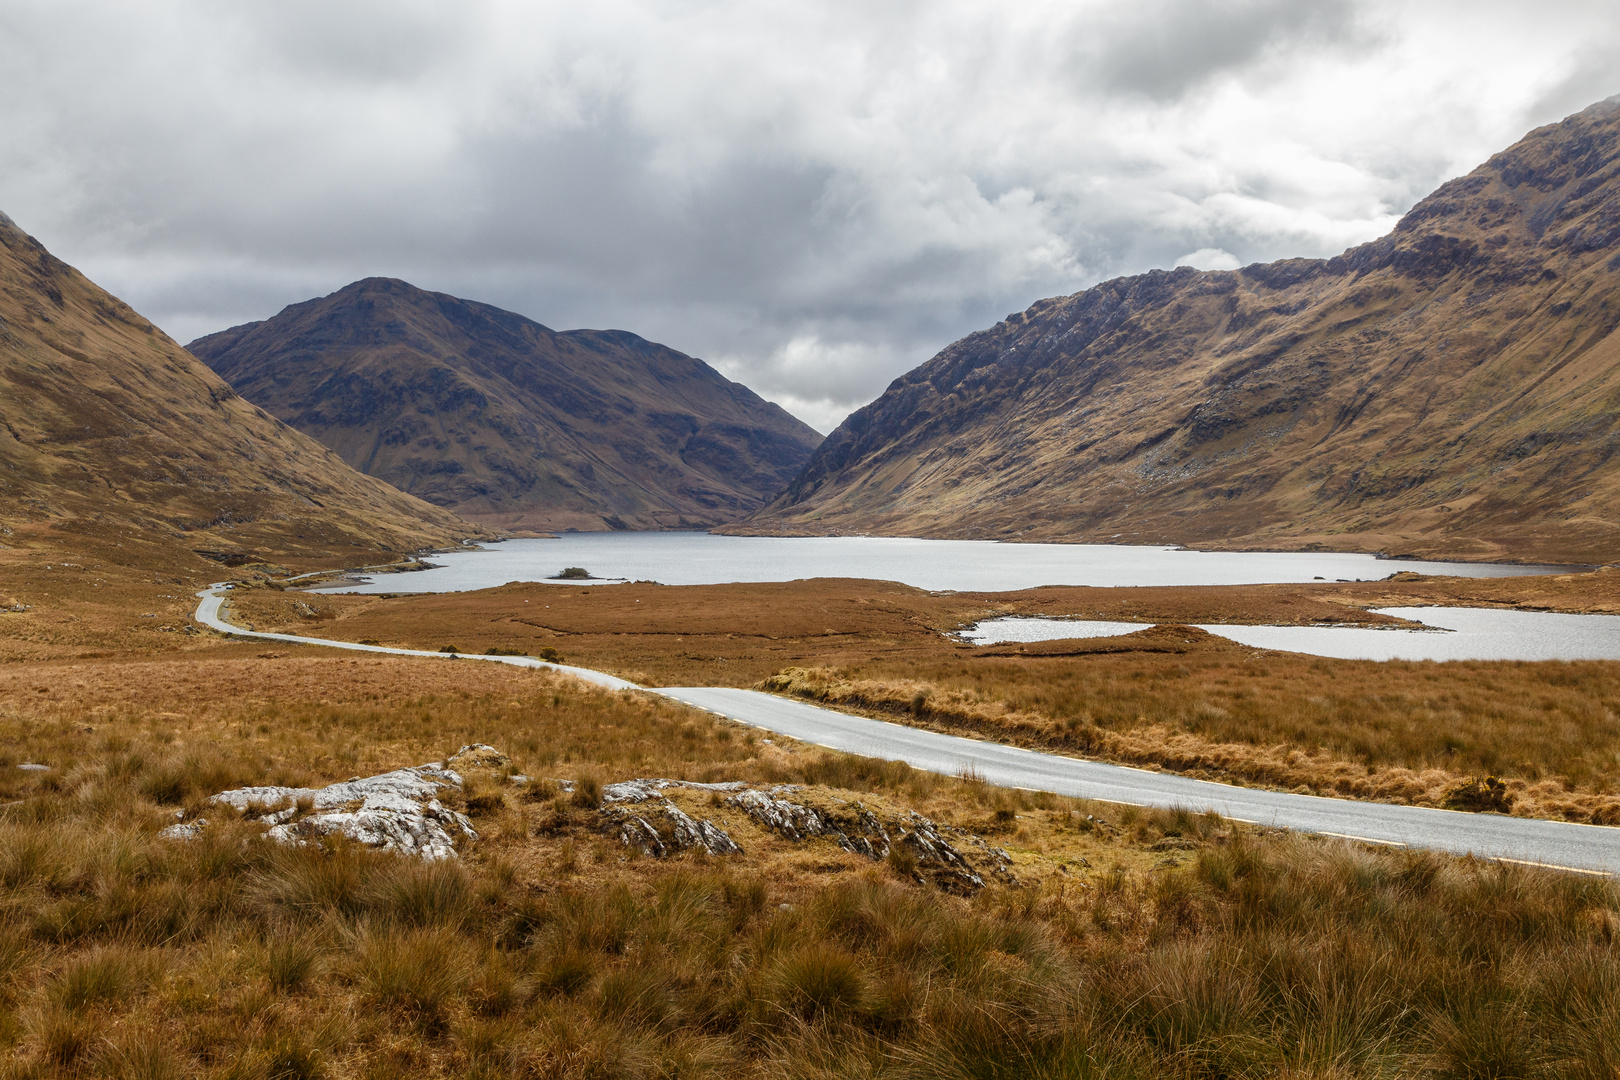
pixel 104 975
pixel 819 978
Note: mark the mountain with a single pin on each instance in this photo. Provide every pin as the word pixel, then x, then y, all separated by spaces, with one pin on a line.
pixel 510 423
pixel 1452 388
pixel 106 423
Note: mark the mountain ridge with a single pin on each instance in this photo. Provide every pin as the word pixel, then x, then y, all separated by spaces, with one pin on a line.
pixel 107 423
pixel 508 422
pixel 1452 388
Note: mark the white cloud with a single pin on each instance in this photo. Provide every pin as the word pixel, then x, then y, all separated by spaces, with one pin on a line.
pixel 817 196
pixel 1209 259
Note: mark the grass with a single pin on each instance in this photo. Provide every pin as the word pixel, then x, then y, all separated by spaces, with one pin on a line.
pixel 1136 943
pixel 1182 700
pixel 1541 739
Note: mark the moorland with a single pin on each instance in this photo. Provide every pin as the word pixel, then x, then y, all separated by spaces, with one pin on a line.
pixel 1123 943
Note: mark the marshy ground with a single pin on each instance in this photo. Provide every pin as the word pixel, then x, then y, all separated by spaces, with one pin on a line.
pixel 1128 944
pixel 1397 731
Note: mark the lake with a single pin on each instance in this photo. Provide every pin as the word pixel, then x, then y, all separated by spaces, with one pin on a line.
pixel 697 558
pixel 1455 634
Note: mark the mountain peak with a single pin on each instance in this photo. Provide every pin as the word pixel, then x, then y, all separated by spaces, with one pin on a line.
pixel 104 419
pixel 509 422
pixel 1451 388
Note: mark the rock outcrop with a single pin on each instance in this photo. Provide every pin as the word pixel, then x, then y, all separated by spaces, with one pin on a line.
pixel 396 811
pixel 401 811
pixel 641 815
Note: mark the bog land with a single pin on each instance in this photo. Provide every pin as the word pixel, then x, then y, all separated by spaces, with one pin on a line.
pixel 1117 941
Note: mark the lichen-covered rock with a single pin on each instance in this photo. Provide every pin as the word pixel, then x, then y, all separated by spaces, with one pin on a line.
pixel 184 830
pixel 855 828
pixel 788 819
pixel 641 790
pixel 396 811
pixel 478 756
pixel 663 829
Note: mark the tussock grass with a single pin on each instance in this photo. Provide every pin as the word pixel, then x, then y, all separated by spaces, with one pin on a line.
pixel 1178 946
pixel 1422 733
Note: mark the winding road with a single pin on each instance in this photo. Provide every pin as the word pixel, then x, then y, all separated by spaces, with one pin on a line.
pixel 1561 844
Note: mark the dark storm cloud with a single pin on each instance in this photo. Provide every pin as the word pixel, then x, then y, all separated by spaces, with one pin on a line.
pixel 1164 48
pixel 812 197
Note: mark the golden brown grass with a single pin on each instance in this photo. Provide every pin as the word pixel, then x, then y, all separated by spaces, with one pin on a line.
pixel 1136 944
pixel 1181 699
pixel 1397 731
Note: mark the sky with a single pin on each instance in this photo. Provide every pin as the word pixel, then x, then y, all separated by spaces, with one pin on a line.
pixel 813 197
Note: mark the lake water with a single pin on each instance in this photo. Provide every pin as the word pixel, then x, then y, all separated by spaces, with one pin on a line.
pixel 696 558
pixel 1456 634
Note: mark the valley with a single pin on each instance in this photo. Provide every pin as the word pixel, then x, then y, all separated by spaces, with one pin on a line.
pixel 1168 696
pixel 634 886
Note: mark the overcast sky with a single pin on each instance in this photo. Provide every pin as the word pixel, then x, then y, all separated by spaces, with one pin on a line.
pixel 814 197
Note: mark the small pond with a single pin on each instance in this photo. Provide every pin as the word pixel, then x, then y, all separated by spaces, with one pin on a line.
pixel 1451 634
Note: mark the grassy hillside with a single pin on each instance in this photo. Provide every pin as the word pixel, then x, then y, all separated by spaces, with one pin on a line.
pixel 107 421
pixel 130 474
pixel 1451 389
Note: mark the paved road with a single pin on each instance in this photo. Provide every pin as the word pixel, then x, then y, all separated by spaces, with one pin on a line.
pixel 208 613
pixel 1558 843
pixel 1530 840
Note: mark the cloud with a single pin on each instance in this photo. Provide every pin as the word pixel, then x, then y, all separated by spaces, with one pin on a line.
pixel 815 197
pixel 1209 259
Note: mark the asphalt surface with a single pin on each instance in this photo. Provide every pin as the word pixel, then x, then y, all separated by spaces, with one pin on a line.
pixel 1529 840
pixel 208 613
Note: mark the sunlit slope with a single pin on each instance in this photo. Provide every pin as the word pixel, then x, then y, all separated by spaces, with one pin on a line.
pixel 508 422
pixel 106 422
pixel 1451 388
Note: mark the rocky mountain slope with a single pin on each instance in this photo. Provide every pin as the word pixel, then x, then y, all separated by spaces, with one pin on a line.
pixel 107 425
pixel 1452 388
pixel 510 423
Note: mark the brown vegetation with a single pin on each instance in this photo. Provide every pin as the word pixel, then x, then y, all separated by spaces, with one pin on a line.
pixel 1394 732
pixel 110 426
pixel 1173 697
pixel 1135 944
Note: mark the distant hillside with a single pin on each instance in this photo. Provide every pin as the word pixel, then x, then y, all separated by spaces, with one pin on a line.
pixel 1452 388
pixel 107 423
pixel 509 423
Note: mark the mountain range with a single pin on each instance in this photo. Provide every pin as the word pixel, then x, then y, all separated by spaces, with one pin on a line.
pixel 1450 389
pixel 511 424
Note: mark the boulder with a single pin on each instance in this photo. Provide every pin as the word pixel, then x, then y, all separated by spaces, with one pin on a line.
pixel 396 811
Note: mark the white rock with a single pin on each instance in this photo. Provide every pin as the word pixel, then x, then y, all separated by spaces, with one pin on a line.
pixel 186 831
pixel 642 790
pixel 396 811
